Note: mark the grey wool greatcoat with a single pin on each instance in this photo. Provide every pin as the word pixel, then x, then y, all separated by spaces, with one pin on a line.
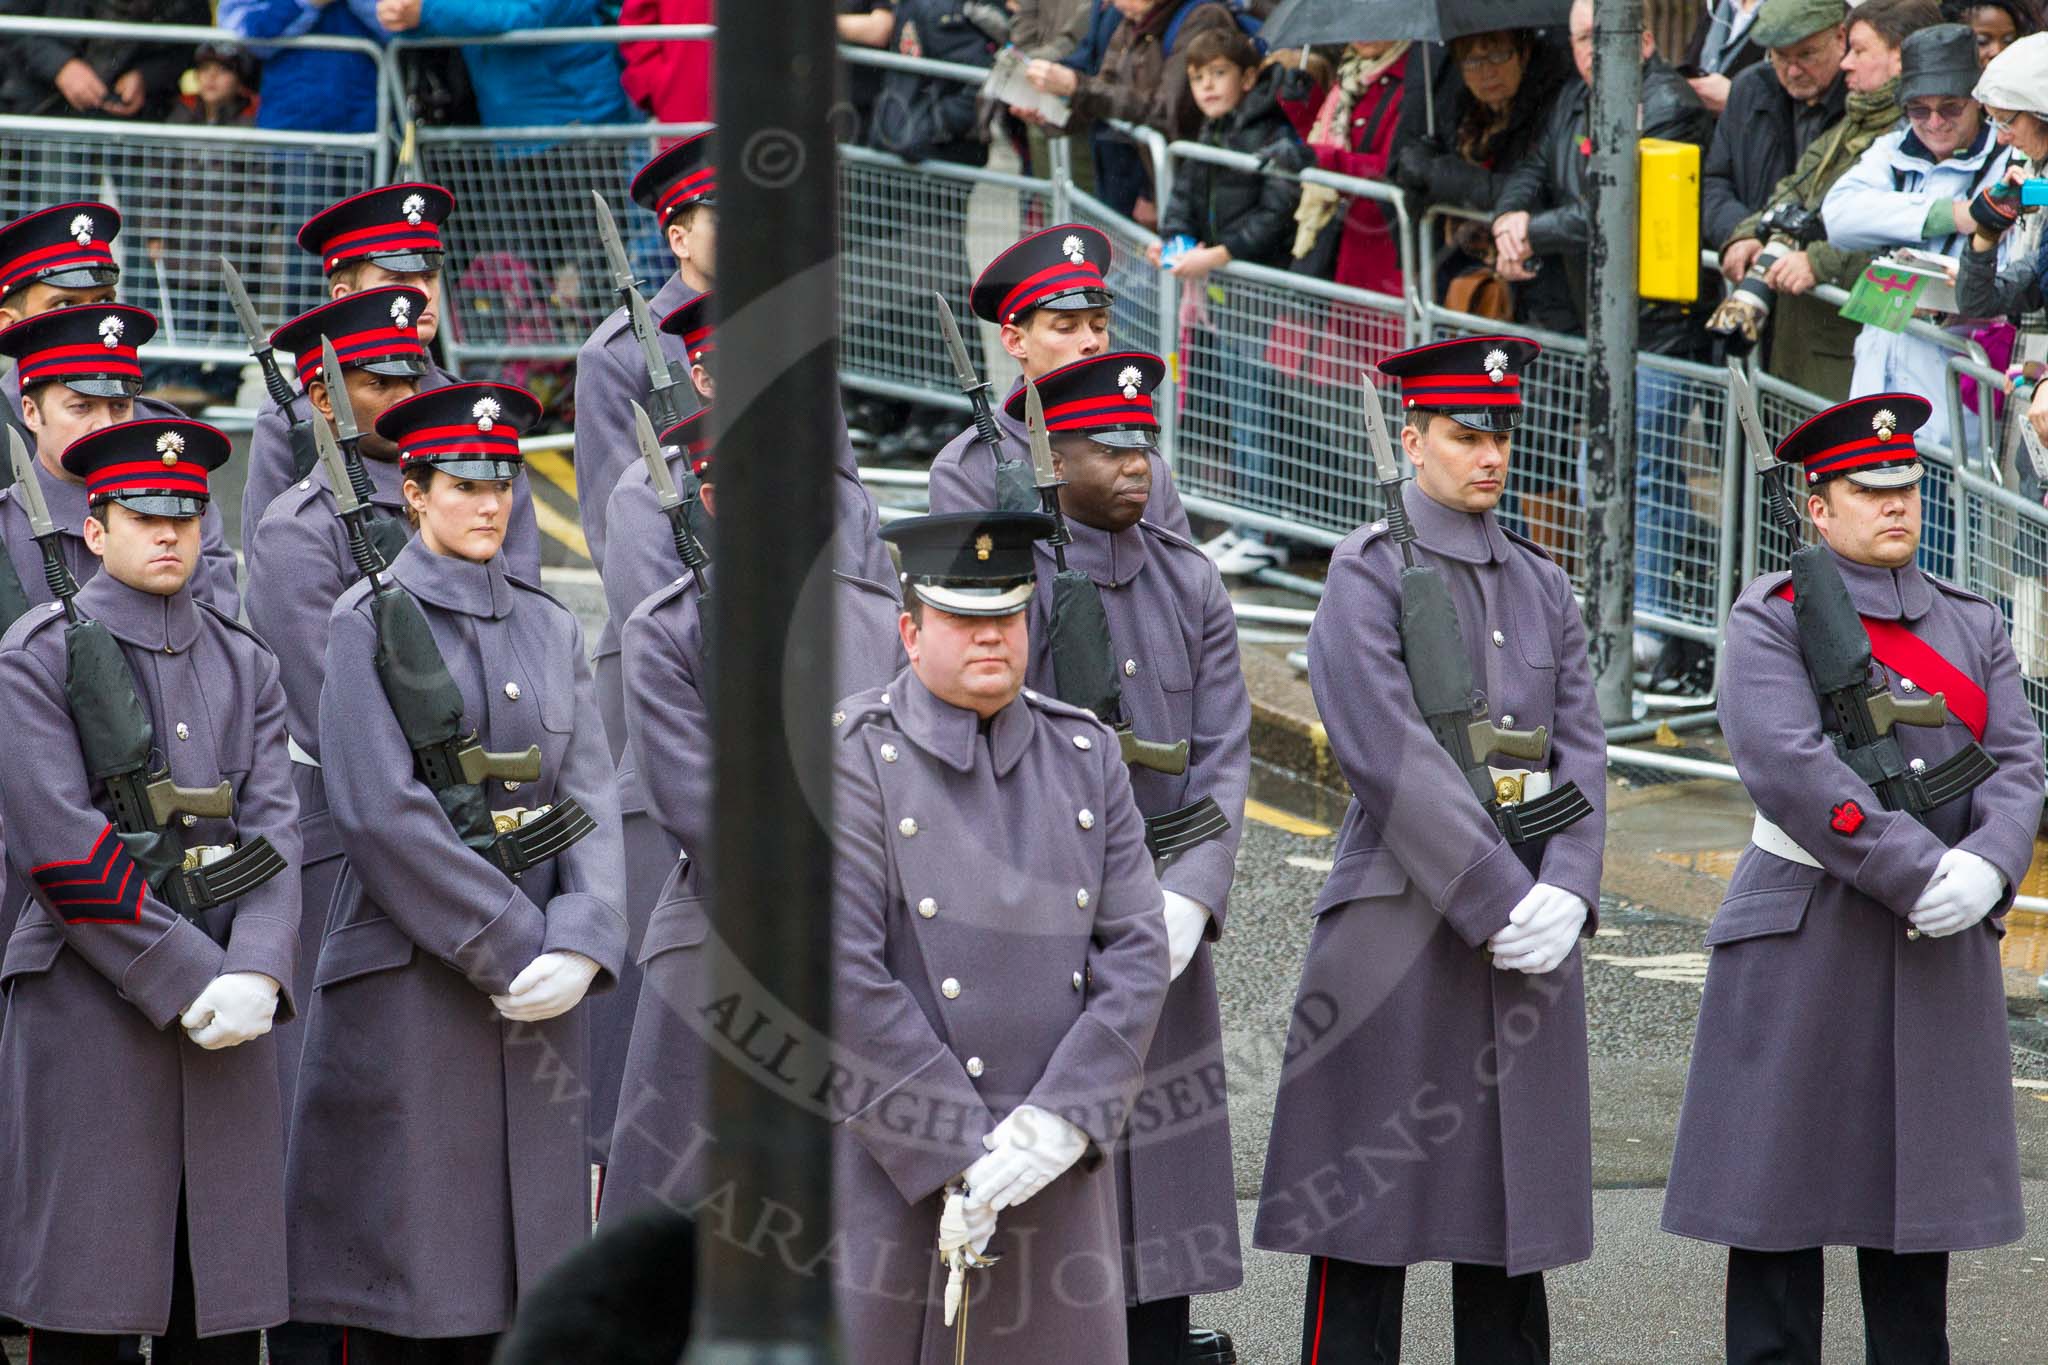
pixel 299 564
pixel 1850 1086
pixel 1175 640
pixel 998 932
pixel 213 582
pixel 438 1162
pixel 270 478
pixel 964 474
pixel 658 1141
pixel 1433 1107
pixel 105 1105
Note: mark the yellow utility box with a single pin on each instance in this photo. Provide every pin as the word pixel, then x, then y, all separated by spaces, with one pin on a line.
pixel 1669 246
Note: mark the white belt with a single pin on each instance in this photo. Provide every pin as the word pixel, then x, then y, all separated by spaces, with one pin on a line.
pixel 299 755
pixel 1778 843
pixel 1532 784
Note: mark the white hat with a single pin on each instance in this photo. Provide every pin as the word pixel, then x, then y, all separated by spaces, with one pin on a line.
pixel 2017 78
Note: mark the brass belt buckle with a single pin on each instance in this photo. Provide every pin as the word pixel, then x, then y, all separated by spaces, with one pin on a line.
pixel 1507 789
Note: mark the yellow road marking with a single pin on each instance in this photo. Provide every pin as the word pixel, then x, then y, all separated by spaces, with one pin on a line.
pixel 1281 820
pixel 556 467
pixel 564 529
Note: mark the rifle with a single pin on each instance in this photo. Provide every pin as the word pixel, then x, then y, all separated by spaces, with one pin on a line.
pixel 387 535
pixel 116 740
pixel 674 505
pixel 1015 488
pixel 298 430
pixel 1857 715
pixel 428 706
pixel 662 379
pixel 1440 672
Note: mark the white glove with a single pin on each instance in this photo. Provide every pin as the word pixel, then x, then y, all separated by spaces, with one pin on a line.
pixel 551 984
pixel 1965 888
pixel 1186 921
pixel 1026 1152
pixel 1540 932
pixel 234 1008
pixel 965 1223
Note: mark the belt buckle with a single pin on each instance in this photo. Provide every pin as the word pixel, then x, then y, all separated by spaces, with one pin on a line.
pixel 1507 789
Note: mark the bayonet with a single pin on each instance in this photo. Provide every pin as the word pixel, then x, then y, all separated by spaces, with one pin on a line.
pixel 673 505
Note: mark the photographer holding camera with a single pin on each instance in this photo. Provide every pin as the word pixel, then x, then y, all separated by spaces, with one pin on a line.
pixel 1778 254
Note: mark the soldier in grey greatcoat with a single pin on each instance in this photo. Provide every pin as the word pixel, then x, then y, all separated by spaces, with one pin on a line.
pixel 657 1141
pixel 1001 964
pixel 439 1161
pixel 1050 296
pixel 1851 1082
pixel 141 1144
pixel 1173 650
pixel 380 239
pixel 1433 1095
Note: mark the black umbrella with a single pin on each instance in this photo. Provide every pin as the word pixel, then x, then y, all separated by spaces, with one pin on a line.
pixel 1303 23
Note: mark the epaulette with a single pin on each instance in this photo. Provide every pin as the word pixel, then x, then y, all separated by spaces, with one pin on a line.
pixel 861 709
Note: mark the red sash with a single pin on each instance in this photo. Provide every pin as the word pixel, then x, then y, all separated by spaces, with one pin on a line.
pixel 1909 656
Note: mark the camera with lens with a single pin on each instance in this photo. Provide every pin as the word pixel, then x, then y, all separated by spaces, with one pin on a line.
pixel 1741 316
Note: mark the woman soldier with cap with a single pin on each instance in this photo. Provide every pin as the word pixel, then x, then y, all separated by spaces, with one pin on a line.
pixel 439 1162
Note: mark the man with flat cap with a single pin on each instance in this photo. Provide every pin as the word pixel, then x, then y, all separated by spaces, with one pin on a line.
pixel 1851 1083
pixel 1172 658
pixel 680 188
pixel 662 1122
pixel 1001 962
pixel 58 258
pixel 1433 1104
pixel 1050 295
pixel 143 1151
pixel 78 372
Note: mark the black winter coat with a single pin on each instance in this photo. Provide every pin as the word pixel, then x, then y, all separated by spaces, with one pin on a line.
pixel 1249 213
pixel 1758 141
pixel 28 81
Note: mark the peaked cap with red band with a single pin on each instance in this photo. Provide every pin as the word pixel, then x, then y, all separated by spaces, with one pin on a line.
pixel 1475 381
pixel 89 347
pixel 468 430
pixel 692 436
pixel 375 330
pixel 679 176
pixel 66 247
pixel 1063 267
pixel 397 226
pixel 692 322
pixel 1107 398
pixel 156 466
pixel 1866 440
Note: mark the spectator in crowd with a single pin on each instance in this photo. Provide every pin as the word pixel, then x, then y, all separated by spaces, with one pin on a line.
pixel 1545 210
pixel 1506 83
pixel 92 77
pixel 1723 46
pixel 669 79
pixel 1994 23
pixel 1130 67
pixel 1216 216
pixel 1919 186
pixel 1811 343
pixel 308 90
pixel 1354 134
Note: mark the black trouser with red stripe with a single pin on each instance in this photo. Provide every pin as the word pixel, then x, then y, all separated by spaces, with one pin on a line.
pixel 1354 1315
pixel 1774 1307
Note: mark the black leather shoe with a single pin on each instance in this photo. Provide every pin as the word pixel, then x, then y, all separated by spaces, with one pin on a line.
pixel 1207 1346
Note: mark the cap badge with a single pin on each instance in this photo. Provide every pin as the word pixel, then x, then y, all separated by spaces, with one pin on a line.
pixel 81 229
pixel 1496 364
pixel 1884 423
pixel 1073 251
pixel 486 411
pixel 401 312
pixel 984 544
pixel 1128 379
pixel 414 208
pixel 170 445
pixel 111 328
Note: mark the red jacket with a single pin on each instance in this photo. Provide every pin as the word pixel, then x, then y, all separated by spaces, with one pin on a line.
pixel 669 79
pixel 1367 254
